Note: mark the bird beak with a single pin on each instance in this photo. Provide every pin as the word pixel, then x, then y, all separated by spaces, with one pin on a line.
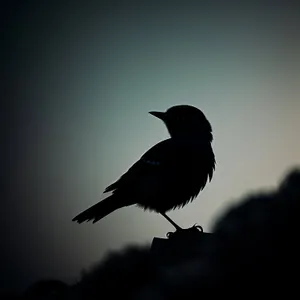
pixel 158 114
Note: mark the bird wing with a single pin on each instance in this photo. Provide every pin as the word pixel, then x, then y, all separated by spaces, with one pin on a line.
pixel 151 165
pixel 171 158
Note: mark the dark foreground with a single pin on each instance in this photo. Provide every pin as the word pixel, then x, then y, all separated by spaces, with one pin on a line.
pixel 253 249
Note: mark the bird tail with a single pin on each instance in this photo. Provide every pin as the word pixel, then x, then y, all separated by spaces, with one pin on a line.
pixel 98 211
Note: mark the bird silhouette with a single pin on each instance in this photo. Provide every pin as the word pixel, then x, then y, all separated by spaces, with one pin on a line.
pixel 170 174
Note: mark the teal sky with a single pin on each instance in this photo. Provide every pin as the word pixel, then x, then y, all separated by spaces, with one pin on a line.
pixel 87 77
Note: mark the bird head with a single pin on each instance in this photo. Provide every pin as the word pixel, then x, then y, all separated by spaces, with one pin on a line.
pixel 185 121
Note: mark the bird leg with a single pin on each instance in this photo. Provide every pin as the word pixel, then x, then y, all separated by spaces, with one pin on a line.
pixel 171 221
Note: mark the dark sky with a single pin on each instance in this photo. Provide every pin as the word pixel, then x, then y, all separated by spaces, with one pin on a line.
pixel 79 80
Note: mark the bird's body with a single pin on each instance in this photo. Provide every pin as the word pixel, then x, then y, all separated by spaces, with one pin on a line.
pixel 168 175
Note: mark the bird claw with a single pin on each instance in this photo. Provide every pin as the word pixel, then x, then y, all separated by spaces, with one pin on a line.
pixel 198 227
pixel 195 226
pixel 169 234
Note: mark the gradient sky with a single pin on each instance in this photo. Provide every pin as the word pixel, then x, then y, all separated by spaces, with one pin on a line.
pixel 81 79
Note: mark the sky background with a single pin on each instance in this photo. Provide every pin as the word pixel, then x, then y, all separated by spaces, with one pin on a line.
pixel 80 79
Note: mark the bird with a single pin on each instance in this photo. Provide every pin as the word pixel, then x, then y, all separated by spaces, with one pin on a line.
pixel 167 176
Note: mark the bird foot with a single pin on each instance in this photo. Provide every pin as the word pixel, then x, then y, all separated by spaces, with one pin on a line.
pixel 181 231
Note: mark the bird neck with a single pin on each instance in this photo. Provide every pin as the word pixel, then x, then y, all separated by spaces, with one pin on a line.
pixel 193 138
pixel 201 133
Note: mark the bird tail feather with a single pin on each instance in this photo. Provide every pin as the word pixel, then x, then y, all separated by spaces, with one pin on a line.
pixel 98 211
